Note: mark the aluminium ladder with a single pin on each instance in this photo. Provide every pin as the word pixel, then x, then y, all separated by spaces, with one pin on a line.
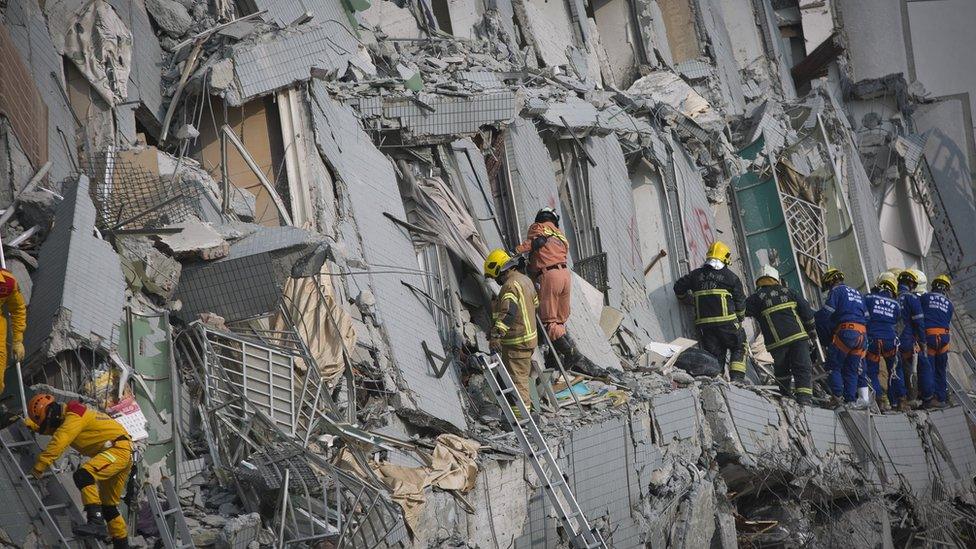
pixel 18 450
pixel 181 538
pixel 582 535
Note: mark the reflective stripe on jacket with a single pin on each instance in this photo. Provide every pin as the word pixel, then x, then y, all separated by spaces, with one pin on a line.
pixel 718 295
pixel 782 314
pixel 521 330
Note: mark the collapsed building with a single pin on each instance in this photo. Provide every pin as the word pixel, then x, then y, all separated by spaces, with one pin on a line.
pixel 253 230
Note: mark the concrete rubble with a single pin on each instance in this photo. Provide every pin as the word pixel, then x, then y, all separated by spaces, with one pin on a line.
pixel 261 224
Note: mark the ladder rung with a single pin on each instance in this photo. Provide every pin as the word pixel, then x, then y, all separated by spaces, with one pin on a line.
pixel 19 443
pixel 509 390
pixel 55 507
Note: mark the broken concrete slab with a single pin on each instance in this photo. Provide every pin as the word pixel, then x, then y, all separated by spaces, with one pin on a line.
pixel 71 307
pixel 171 16
pixel 195 240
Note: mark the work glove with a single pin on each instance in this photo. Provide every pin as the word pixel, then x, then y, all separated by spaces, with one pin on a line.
pixel 18 350
pixel 495 344
pixel 29 423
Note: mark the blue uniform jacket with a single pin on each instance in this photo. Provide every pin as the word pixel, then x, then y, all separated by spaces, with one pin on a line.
pixel 845 304
pixel 912 317
pixel 884 312
pixel 825 333
pixel 937 310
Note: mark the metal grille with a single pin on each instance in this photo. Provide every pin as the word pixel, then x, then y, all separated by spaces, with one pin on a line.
pixel 261 373
pixel 129 196
pixel 808 233
pixel 593 269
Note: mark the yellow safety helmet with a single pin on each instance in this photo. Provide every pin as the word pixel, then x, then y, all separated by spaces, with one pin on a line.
pixel 720 251
pixel 830 277
pixel 942 280
pixel 496 262
pixel 908 277
pixel 888 281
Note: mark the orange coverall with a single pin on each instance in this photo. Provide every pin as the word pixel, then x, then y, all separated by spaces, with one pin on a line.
pixel 548 266
pixel 13 301
pixel 97 436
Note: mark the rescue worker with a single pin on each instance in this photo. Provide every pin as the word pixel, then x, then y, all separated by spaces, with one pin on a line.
pixel 720 307
pixel 13 301
pixel 786 321
pixel 547 249
pixel 513 331
pixel 938 318
pixel 884 313
pixel 844 318
pixel 101 480
pixel 912 337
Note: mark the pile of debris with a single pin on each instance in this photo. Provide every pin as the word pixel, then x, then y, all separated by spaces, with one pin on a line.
pixel 253 231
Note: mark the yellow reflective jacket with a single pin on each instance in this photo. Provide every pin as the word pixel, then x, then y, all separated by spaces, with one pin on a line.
pixel 518 329
pixel 86 430
pixel 13 301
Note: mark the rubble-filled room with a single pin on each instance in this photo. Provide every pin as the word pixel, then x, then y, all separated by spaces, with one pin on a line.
pixel 487 274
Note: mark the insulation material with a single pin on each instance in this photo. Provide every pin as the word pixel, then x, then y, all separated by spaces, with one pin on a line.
pixel 454 464
pixel 370 183
pixel 904 223
pixel 614 215
pixel 70 308
pixel 477 189
pixel 443 214
pixel 100 45
pixel 321 321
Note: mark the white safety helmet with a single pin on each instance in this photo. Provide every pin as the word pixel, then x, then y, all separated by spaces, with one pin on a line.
pixel 923 282
pixel 768 271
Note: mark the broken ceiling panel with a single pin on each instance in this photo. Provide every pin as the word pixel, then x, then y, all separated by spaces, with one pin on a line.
pixel 370 182
pixel 664 87
pixel 433 117
pixel 290 56
pixel 548 28
pixel 477 189
pixel 756 419
pixel 904 456
pixel 70 307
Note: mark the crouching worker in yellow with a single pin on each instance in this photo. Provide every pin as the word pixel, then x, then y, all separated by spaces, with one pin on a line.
pixel 102 478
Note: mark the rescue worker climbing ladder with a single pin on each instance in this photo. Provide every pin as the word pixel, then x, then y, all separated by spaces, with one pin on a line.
pixel 101 480
pixel 513 331
pixel 719 308
pixel 938 312
pixel 786 321
pixel 881 360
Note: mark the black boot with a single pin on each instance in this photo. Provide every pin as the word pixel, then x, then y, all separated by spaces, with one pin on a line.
pixel 95 527
pixel 803 399
pixel 737 377
pixel 120 543
pixel 566 348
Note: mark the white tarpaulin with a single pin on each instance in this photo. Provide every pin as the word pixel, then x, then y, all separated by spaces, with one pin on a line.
pixel 100 45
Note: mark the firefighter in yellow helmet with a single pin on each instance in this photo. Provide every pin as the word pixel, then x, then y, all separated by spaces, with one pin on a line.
pixel 720 307
pixel 513 330
pixel 101 480
pixel 13 301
